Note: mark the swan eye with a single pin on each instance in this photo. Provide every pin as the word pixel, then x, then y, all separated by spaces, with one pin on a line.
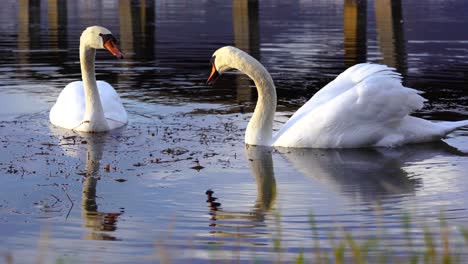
pixel 107 37
pixel 212 60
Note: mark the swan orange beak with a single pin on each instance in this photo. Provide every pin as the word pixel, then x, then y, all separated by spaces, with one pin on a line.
pixel 213 75
pixel 111 46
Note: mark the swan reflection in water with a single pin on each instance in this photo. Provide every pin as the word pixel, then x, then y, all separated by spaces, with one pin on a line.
pixel 95 220
pixel 261 165
pixel 99 223
pixel 369 175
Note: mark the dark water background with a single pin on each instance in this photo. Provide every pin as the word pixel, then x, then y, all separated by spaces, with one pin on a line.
pixel 139 194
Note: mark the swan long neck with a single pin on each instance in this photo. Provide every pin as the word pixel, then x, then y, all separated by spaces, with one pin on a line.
pixel 94 113
pixel 260 128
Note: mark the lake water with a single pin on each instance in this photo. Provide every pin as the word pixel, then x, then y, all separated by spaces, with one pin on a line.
pixel 177 184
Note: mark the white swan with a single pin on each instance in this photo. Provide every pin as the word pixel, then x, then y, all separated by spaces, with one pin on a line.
pixel 365 106
pixel 87 105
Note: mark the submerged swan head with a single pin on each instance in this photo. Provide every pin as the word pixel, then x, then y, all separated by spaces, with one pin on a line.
pixel 97 37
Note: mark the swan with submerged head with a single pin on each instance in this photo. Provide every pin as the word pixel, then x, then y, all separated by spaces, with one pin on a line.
pixel 365 106
pixel 90 105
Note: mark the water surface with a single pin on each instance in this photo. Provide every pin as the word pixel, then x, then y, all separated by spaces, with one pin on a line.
pixel 177 182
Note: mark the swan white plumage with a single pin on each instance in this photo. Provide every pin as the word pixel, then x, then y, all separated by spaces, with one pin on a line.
pixel 365 106
pixel 90 106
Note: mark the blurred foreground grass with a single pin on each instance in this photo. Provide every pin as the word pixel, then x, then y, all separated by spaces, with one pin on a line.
pixel 446 245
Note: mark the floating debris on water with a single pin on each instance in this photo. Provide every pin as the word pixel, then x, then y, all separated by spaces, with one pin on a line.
pixel 175 151
pixel 120 180
pixel 197 167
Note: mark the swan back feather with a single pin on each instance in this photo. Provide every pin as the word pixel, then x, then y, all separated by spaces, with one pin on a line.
pixel 68 111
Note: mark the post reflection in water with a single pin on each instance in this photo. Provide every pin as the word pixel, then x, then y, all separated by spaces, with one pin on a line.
pixel 247 38
pixel 355 31
pixel 29 23
pixel 137 35
pixel 389 27
pixel 261 165
pixel 245 26
pixel 368 176
pixel 57 17
pixel 389 23
pixel 137 28
pixel 126 27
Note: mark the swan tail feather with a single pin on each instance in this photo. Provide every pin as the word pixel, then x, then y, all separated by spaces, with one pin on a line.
pixel 450 126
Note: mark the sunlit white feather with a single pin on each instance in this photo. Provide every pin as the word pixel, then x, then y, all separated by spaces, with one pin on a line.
pixel 68 111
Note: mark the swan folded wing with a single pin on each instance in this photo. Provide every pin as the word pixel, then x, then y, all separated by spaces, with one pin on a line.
pixel 385 100
pixel 112 105
pixel 360 116
pixel 68 111
pixel 345 81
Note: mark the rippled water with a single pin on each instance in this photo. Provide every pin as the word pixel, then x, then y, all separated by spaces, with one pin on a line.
pixel 177 182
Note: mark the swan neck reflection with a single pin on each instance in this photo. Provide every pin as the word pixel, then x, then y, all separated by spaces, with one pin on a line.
pixel 95 220
pixel 261 165
pixel 228 222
